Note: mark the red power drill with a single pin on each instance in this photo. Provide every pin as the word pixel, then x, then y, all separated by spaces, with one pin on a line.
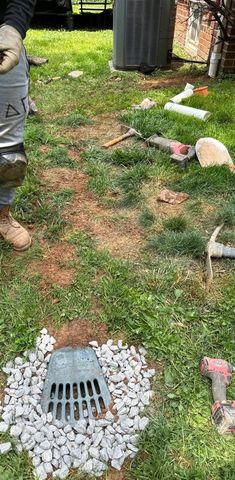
pixel 223 410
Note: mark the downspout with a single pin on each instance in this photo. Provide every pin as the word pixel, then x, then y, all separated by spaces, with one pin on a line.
pixel 218 46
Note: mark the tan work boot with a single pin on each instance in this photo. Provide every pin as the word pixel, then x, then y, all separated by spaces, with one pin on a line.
pixel 13 232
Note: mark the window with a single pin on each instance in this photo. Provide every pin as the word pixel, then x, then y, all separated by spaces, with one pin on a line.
pixel 194 25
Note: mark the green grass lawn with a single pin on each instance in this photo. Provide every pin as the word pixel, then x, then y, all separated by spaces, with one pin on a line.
pixel 156 298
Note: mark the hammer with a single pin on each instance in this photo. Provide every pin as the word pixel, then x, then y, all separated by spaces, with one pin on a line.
pixel 130 133
pixel 216 250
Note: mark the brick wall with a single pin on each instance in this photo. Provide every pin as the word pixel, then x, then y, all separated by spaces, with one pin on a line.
pixel 202 50
pixel 182 15
pixel 206 37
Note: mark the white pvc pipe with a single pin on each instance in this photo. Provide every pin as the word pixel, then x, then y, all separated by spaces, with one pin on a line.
pixel 216 54
pixel 191 112
pixel 181 96
pixel 187 92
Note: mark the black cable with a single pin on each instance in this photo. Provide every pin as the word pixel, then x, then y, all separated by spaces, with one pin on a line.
pixel 187 60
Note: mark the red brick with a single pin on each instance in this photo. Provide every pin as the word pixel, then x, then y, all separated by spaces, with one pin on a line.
pixel 229 56
pixel 228 63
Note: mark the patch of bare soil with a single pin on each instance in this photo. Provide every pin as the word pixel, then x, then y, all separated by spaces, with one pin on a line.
pixel 53 266
pixel 121 238
pixel 2 386
pixel 74 154
pixel 103 129
pixel 79 333
pixel 163 210
pixel 174 81
pixel 114 475
pixel 45 149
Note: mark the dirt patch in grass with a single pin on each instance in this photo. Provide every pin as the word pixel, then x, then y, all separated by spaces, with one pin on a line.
pixel 161 209
pixel 174 81
pixel 79 333
pixel 124 242
pixel 121 238
pixel 114 475
pixel 53 267
pixel 75 154
pixel 103 129
pixel 2 386
pixel 61 178
pixel 45 149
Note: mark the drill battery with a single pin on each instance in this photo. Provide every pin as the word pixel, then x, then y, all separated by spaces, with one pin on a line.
pixel 223 416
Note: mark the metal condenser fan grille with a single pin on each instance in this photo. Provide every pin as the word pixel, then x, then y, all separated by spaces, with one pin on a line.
pixel 75 387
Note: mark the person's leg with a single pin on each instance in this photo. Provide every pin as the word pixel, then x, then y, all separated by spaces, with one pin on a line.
pixel 7 196
pixel 13 113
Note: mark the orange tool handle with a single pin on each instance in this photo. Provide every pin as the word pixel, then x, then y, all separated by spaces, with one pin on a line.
pixel 115 141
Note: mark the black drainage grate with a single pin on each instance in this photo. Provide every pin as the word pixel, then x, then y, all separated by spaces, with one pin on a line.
pixel 75 387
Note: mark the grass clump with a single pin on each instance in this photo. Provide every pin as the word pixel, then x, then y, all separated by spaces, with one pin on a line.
pixel 74 120
pixel 179 243
pixel 37 134
pixel 131 181
pixel 147 219
pixel 227 237
pixel 94 154
pixel 42 208
pixel 227 214
pixel 58 157
pixel 63 197
pixel 100 181
pixel 176 224
pixel 208 181
pixel 129 157
pixel 133 178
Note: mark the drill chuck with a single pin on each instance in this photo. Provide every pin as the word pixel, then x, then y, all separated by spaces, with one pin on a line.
pixel 220 373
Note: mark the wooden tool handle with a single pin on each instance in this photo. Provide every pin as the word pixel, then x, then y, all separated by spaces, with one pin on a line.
pixel 114 142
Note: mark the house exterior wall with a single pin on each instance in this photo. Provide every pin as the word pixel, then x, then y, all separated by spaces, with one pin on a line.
pixel 181 24
pixel 206 38
pixel 203 48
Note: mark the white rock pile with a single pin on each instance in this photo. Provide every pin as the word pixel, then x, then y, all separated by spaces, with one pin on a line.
pixel 92 444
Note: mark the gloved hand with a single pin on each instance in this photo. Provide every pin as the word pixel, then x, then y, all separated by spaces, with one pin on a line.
pixel 10 48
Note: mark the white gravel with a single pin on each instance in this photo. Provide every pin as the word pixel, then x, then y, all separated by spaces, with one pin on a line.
pixel 90 446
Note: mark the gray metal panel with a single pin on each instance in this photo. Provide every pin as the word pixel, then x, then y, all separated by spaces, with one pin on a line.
pixel 142 30
pixel 141 40
pixel 165 32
